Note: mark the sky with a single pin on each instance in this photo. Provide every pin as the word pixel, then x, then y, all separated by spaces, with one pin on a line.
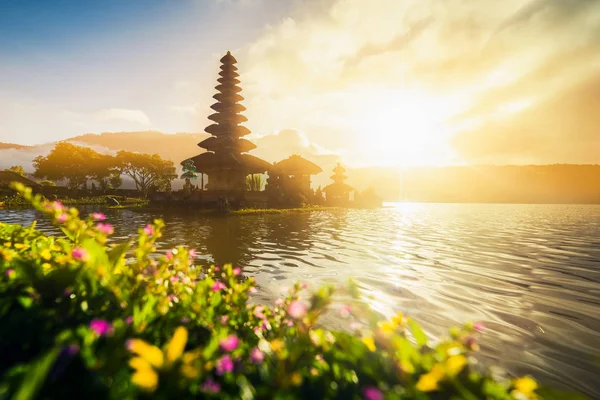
pixel 373 83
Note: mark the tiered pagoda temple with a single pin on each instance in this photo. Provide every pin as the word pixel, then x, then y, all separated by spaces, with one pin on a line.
pixel 338 192
pixel 225 160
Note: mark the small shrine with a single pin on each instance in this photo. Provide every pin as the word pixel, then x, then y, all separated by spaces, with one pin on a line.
pixel 338 192
pixel 293 174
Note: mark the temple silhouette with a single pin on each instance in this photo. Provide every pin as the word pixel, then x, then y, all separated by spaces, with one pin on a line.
pixel 238 179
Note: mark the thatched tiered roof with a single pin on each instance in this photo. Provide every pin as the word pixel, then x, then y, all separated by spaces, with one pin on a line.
pixel 226 146
pixel 296 165
pixel 338 186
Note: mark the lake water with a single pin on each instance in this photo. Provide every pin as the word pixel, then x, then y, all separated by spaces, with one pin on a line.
pixel 530 273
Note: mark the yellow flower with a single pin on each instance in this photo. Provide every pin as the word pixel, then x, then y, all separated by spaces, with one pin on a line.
pixel 46 267
pixel 177 344
pixel 296 379
pixel 429 381
pixel 277 345
pixel 144 376
pixel 7 244
pixel 398 319
pixel 455 364
pixel 369 342
pixel 20 246
pixel 151 354
pixel 406 367
pixel 525 385
pixel 387 326
pixel 45 254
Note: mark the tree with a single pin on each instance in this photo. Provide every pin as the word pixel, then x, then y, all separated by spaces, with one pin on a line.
pixel 105 171
pixel 146 170
pixel 46 183
pixel 65 161
pixel 16 169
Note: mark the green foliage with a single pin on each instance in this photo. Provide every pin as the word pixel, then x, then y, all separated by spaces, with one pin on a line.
pixel 146 170
pixel 16 169
pixel 85 319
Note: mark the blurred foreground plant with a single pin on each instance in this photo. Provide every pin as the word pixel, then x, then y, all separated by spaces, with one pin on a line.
pixel 80 317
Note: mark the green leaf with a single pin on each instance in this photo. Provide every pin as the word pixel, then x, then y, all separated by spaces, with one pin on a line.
pixel 36 374
pixel 418 333
pixel 69 234
pixel 117 253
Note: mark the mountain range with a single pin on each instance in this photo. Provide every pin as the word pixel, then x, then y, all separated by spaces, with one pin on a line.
pixel 559 183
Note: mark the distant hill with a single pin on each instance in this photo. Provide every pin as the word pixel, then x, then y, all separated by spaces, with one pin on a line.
pixel 560 183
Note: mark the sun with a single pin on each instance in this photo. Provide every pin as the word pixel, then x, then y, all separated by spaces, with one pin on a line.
pixel 403 128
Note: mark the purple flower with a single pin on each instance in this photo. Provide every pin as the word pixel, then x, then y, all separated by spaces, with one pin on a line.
pixel 297 309
pixel 71 349
pixel 372 393
pixel 224 365
pixel 149 230
pixel 101 327
pixel 218 286
pixel 79 253
pixel 211 386
pixel 230 343
pixel 98 216
pixel 237 271
pixel 107 229
pixel 62 218
pixel 258 312
pixel 257 356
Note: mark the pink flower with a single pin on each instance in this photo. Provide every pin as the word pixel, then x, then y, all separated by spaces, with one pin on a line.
pixel 354 326
pixel 278 301
pixel 192 253
pixel 218 286
pixel 149 230
pixel 169 255
pixel 129 320
pixel 230 343
pixel 79 253
pixel 257 356
pixel 173 279
pixel 98 216
pixel 253 290
pixel 58 206
pixel 297 309
pixel 224 319
pixel 10 272
pixel 372 393
pixel 107 229
pixel 345 311
pixel 224 364
pixel 101 327
pixel 258 312
pixel 478 326
pixel 62 218
pixel 303 286
pixel 211 386
pixel 237 271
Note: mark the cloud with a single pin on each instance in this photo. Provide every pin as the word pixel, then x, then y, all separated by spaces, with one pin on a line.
pixel 352 72
pixel 187 109
pixel 123 114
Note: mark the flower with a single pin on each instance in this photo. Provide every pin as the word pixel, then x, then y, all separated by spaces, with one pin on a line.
pixel 129 320
pixel 62 218
pixel 297 309
pixel 525 385
pixel 218 286
pixel 369 342
pixel 107 229
pixel 192 253
pixel 169 255
pixel 345 311
pixel 429 382
pixel 224 319
pixel 217 269
pixel 79 253
pixel 144 376
pixel 253 290
pixel 303 286
pixel 278 301
pixel 237 271
pixel 211 386
pixel 149 230
pixel 98 216
pixel 230 343
pixel 455 364
pixel 224 365
pixel 146 352
pixel 101 327
pixel 177 344
pixel 10 273
pixel 71 349
pixel 58 206
pixel 372 393
pixel 257 356
pixel 478 326
pixel 258 312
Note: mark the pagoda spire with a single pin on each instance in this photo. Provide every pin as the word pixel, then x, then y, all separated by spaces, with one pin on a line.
pixel 226 130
